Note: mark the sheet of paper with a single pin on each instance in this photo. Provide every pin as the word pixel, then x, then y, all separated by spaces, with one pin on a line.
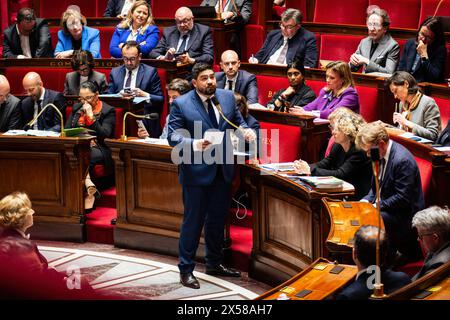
pixel 215 137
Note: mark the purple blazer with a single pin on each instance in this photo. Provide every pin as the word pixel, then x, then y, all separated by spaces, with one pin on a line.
pixel 349 98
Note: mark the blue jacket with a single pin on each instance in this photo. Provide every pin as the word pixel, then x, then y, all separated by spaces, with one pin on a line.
pixel 186 113
pixel 150 37
pixel 90 40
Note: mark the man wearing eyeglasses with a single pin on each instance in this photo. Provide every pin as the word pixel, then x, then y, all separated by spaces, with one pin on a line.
pixel 29 37
pixel 289 43
pixel 433 229
pixel 133 79
pixel 379 52
pixel 187 42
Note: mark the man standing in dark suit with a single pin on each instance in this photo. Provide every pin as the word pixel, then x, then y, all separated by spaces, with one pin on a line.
pixel 236 80
pixel 38 98
pixel 205 174
pixel 133 79
pixel 433 228
pixel 401 193
pixel 10 113
pixel 288 43
pixel 28 38
pixel 364 256
pixel 187 42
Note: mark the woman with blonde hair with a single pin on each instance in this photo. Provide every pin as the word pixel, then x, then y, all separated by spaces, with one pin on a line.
pixel 339 92
pixel 16 212
pixel 138 26
pixel 345 161
pixel 75 35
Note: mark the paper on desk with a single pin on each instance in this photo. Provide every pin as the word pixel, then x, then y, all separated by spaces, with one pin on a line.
pixel 161 142
pixel 257 106
pixel 215 137
pixel 411 136
pixel 36 133
pixel 136 100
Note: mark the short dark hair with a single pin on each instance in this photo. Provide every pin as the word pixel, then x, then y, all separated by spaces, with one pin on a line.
pixel 297 64
pixel 365 246
pixel 132 44
pixel 92 86
pixel 435 26
pixel 199 68
pixel 180 85
pixel 400 77
pixel 82 57
pixel 241 103
pixel 25 14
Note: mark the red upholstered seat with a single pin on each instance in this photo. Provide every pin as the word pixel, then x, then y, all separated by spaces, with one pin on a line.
pixel 444 109
pixel 254 18
pixel 425 169
pixel 167 8
pixel 338 47
pixel 277 11
pixel 279 143
pixel 54 35
pixel 368 103
pixel 52 78
pixel 315 85
pixel 403 13
pixel 329 146
pixel 252 41
pixel 340 11
pixel 268 85
pixel 100 7
pixel 300 5
pixel 106 34
pixel 54 9
pixel 428 8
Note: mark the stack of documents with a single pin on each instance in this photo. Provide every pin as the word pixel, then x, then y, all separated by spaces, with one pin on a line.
pixel 327 182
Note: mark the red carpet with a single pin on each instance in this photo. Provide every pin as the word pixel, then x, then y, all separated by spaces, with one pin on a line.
pixel 100 229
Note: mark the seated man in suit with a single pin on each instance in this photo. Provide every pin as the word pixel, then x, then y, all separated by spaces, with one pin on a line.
pixel 10 108
pixel 205 174
pixel 364 256
pixel 400 189
pixel 238 11
pixel 291 42
pixel 118 8
pixel 29 37
pixel 232 78
pixel 38 98
pixel 433 229
pixel 134 79
pixel 379 52
pixel 187 42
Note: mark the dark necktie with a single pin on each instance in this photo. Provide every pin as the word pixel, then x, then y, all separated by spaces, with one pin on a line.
pixel 39 123
pixel 382 164
pixel 128 82
pixel 230 85
pixel 212 114
pixel 182 47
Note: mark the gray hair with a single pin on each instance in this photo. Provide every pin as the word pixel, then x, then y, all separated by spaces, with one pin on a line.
pixel 292 14
pixel 434 219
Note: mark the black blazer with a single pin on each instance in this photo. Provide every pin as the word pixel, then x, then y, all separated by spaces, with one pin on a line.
pixel 358 290
pixel 200 45
pixel 434 260
pixel 352 166
pixel 444 136
pixel 72 83
pixel 10 114
pixel 245 84
pixel 430 70
pixel 40 41
pixel 50 119
pixel 301 46
pixel 301 97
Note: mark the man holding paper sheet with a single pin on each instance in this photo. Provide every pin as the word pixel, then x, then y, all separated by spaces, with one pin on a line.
pixel 206 184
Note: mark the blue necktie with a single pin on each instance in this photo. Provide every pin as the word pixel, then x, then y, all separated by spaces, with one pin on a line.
pixel 182 47
pixel 212 114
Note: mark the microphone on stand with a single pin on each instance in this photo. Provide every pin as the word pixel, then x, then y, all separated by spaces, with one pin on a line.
pixel 33 121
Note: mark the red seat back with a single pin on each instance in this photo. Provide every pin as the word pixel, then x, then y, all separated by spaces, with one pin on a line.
pixel 167 8
pixel 315 85
pixel 106 34
pixel 268 85
pixel 100 8
pixel 426 169
pixel 329 146
pixel 340 11
pixel 279 143
pixel 338 47
pixel 401 43
pixel 54 35
pixel 52 78
pixel 252 41
pixel 54 9
pixel 428 8
pixel 254 18
pixel 444 109
pixel 368 103
pixel 403 13
pixel 300 5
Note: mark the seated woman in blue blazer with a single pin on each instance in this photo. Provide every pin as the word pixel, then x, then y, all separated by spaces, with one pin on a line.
pixel 138 26
pixel 75 35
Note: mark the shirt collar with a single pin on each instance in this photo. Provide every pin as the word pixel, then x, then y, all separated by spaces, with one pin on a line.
pixel 203 97
pixel 42 95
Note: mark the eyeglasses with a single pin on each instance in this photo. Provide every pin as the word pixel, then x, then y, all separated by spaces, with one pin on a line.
pixel 184 21
pixel 288 27
pixel 420 236
pixel 73 25
pixel 374 25
pixel 86 69
pixel 86 99
pixel 132 59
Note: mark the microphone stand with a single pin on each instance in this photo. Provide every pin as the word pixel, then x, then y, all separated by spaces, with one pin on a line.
pixel 149 116
pixel 378 291
pixel 33 121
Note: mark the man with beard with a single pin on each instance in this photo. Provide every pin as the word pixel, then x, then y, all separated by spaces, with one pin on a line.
pixel 206 184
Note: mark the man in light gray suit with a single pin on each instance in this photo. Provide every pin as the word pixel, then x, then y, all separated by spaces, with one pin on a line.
pixel 379 52
pixel 10 115
pixel 433 228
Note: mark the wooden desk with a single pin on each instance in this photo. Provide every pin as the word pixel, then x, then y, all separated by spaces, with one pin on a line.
pixel 313 135
pixel 433 286
pixel 288 225
pixel 315 278
pixel 52 172
pixel 149 198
